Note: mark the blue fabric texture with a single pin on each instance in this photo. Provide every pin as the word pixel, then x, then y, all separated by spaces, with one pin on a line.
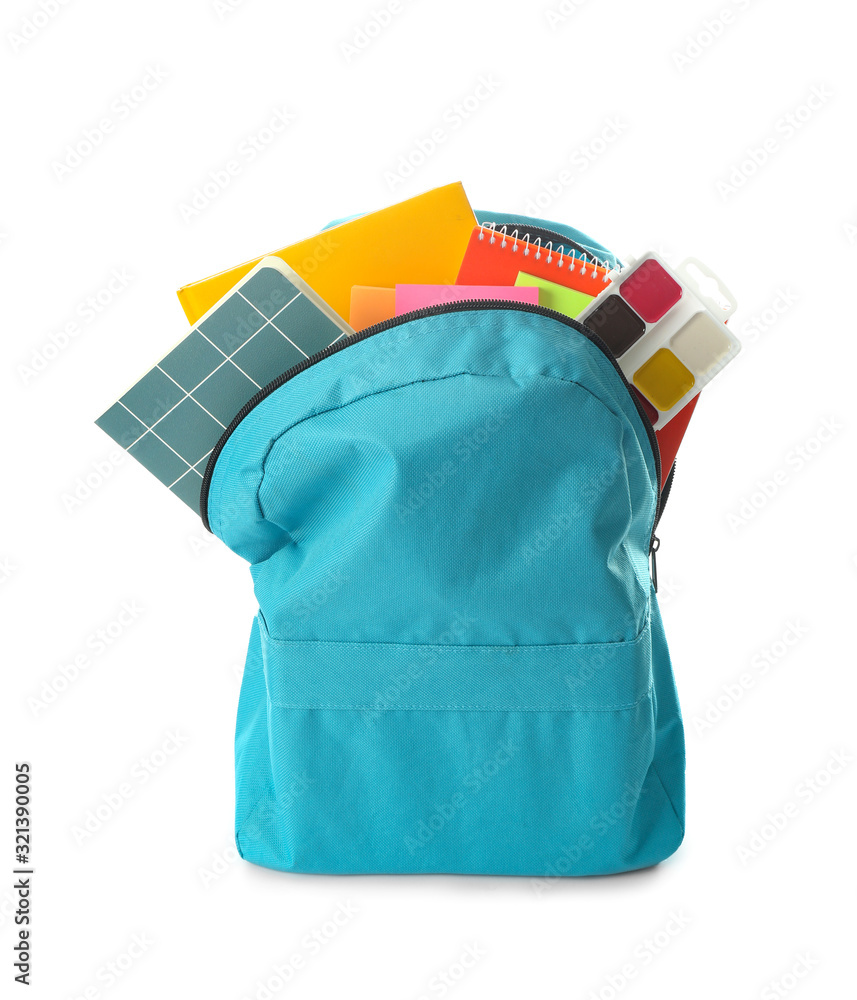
pixel 458 664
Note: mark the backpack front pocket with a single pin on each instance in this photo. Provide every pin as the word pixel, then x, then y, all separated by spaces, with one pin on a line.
pixel 386 757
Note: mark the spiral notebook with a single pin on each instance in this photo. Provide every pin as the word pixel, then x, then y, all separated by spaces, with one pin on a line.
pixel 171 419
pixel 496 257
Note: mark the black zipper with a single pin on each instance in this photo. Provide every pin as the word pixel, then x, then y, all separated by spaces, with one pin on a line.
pixel 466 305
pixel 655 543
pixel 665 492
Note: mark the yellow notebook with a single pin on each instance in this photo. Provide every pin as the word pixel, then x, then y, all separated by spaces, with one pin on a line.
pixel 418 241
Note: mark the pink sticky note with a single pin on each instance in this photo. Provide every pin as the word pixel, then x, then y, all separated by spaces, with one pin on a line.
pixel 409 297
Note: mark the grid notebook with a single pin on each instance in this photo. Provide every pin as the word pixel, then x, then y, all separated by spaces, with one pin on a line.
pixel 171 419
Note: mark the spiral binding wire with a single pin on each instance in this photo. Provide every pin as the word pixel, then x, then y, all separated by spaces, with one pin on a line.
pixel 540 250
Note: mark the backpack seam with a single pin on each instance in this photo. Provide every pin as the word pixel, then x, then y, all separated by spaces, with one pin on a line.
pixel 668 797
pixel 553 709
pixel 487 646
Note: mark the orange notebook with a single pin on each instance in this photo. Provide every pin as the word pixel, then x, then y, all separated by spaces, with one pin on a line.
pixel 418 241
pixel 495 259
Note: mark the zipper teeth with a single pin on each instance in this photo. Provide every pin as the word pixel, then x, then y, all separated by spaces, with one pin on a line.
pixel 665 492
pixel 464 305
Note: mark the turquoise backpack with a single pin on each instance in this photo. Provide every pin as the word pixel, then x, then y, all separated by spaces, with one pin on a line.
pixel 458 663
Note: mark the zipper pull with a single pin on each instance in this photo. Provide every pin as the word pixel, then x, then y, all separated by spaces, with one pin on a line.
pixel 656 544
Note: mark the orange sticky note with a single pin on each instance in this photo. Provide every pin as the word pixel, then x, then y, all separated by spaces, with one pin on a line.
pixel 371 304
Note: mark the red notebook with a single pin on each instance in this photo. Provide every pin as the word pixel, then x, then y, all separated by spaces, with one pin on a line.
pixel 670 437
pixel 494 259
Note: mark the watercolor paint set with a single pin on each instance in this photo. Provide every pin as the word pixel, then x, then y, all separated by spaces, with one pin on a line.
pixel 666 328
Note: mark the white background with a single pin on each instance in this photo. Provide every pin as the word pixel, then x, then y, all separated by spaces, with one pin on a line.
pixel 740 569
